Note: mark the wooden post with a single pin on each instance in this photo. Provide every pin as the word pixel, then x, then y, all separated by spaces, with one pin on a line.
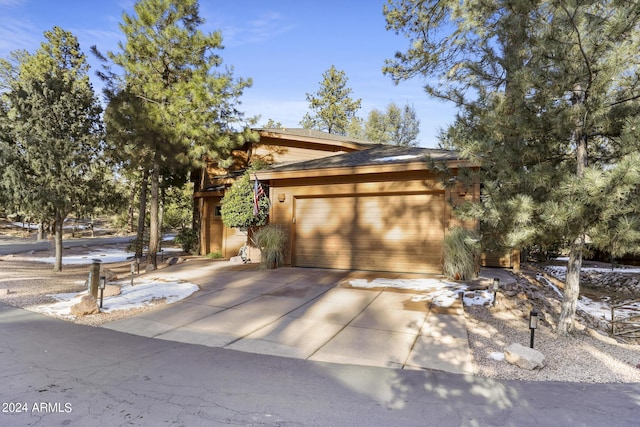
pixel 95 278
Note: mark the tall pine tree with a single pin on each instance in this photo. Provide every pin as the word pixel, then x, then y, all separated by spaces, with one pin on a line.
pixel 53 134
pixel 187 103
pixel 548 93
pixel 332 106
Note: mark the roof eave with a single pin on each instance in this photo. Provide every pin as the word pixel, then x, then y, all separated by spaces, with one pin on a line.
pixel 353 170
pixel 314 140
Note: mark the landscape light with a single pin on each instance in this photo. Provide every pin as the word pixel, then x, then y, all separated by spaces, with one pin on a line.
pixel 133 270
pixel 495 287
pixel 102 283
pixel 533 324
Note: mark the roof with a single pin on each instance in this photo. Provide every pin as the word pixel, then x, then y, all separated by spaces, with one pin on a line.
pixel 378 158
pixel 310 135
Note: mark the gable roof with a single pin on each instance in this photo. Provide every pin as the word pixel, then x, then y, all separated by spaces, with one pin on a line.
pixel 379 158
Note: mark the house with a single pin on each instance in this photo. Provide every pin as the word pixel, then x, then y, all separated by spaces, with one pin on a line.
pixel 348 204
pixel 274 146
pixel 383 209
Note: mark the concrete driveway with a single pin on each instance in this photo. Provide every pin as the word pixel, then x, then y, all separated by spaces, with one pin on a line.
pixel 310 314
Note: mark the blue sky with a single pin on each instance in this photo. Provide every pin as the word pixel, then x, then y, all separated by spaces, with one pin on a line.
pixel 284 46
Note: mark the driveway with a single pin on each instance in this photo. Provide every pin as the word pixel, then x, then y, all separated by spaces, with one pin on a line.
pixel 310 314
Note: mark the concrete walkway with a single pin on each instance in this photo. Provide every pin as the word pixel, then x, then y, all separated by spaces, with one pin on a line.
pixel 310 314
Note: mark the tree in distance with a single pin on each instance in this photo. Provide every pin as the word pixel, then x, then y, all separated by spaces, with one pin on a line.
pixel 332 106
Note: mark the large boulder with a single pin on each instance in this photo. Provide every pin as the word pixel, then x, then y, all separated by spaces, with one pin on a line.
pixel 524 357
pixel 87 305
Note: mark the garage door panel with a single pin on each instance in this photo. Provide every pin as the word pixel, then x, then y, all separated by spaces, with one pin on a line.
pixel 392 233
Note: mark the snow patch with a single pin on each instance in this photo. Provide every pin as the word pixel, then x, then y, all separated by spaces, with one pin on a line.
pixel 442 293
pixel 499 356
pixel 141 294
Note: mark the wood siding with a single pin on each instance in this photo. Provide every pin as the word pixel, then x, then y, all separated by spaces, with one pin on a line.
pixel 389 222
pixel 278 154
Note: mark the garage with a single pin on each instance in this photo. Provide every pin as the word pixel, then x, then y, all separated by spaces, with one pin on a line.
pixel 381 209
pixel 390 232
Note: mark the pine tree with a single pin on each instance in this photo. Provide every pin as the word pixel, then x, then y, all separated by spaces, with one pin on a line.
pixel 395 126
pixel 549 95
pixel 332 106
pixel 188 104
pixel 53 135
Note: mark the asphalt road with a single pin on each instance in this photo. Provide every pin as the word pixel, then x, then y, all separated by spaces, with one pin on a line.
pixel 12 245
pixel 58 373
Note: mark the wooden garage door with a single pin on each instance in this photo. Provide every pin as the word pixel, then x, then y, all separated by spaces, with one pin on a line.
pixel 379 232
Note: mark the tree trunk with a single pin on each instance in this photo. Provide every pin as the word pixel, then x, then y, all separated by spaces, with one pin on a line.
pixel 57 265
pixel 160 217
pixel 198 205
pixel 571 288
pixel 41 231
pixel 142 213
pixel 154 210
pixel 572 282
pixel 132 203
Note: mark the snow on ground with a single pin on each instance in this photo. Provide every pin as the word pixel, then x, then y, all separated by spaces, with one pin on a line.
pixel 35 226
pixel 560 271
pixel 104 255
pixel 499 356
pixel 441 292
pixel 597 309
pixel 141 294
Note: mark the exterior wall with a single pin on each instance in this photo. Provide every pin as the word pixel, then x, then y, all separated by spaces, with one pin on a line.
pixel 273 154
pixel 214 236
pixel 510 259
pixel 393 187
pixel 212 227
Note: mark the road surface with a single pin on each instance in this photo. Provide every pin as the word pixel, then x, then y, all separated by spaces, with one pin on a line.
pixel 59 373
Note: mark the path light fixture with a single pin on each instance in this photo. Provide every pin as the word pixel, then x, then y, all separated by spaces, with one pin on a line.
pixel 533 324
pixel 101 285
pixel 133 270
pixel 495 287
pixel 137 265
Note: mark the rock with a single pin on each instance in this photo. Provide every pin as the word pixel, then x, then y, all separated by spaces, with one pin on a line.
pixel 111 290
pixel 4 292
pixel 236 260
pixel 524 357
pixel 149 268
pixel 174 260
pixel 87 305
pixel 109 275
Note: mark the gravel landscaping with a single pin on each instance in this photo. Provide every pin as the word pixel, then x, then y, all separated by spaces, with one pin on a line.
pixel 589 355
